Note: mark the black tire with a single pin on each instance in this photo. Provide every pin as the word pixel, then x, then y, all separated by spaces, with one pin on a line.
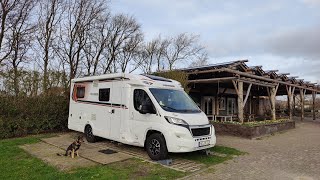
pixel 89 134
pixel 156 147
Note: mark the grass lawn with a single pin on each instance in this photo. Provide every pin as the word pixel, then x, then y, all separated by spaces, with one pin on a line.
pixel 17 164
pixel 223 154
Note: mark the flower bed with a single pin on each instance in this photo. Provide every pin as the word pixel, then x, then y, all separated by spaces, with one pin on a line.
pixel 253 129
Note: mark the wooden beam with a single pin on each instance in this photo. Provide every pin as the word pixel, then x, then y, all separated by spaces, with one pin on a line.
pixel 211 80
pixel 247 95
pixel 255 82
pixel 264 78
pixel 207 71
pixel 252 76
pixel 235 84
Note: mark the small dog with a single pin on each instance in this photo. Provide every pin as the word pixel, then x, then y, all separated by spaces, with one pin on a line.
pixel 73 148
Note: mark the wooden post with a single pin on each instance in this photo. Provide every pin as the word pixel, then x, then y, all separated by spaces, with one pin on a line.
pixel 272 97
pixel 250 105
pixel 258 106
pixel 273 102
pixel 238 86
pixel 313 105
pixel 216 104
pixel 240 102
pixel 302 94
pixel 290 92
pixel 294 104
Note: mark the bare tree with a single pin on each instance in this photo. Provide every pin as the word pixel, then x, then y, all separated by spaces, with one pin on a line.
pixel 202 60
pixel 153 53
pixel 129 52
pixel 181 48
pixel 98 37
pixel 49 17
pixel 20 38
pixel 80 14
pixel 122 30
pixel 164 43
pixel 8 8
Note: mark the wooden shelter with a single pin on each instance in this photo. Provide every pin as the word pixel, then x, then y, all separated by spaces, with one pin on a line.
pixel 235 90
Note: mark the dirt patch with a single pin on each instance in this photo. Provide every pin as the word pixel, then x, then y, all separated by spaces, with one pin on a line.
pixel 48 154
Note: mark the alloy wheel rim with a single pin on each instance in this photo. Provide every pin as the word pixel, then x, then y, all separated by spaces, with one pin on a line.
pixel 154 147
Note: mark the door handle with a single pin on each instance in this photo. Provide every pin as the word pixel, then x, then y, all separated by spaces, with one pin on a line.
pixel 112 111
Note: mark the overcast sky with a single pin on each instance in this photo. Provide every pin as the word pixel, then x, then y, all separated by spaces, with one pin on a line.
pixel 277 34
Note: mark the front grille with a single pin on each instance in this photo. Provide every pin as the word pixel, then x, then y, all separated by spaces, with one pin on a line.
pixel 201 131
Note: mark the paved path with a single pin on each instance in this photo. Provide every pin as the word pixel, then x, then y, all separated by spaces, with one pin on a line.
pixel 294 154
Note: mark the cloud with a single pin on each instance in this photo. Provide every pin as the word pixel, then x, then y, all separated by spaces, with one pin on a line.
pixel 304 43
pixel 277 34
pixel 305 69
pixel 311 3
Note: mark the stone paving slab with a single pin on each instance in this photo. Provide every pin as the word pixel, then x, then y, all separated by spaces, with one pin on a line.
pixel 178 164
pixel 86 150
pixel 48 154
pixel 64 141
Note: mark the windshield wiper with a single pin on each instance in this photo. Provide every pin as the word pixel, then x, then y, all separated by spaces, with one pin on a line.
pixel 169 107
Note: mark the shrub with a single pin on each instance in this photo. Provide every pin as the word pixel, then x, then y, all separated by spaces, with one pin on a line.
pixel 20 116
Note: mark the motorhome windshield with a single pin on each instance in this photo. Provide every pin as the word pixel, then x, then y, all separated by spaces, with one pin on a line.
pixel 174 100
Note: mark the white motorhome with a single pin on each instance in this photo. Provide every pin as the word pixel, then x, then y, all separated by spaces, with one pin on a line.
pixel 141 110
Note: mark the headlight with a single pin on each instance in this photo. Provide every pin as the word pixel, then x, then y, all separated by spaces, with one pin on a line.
pixel 173 120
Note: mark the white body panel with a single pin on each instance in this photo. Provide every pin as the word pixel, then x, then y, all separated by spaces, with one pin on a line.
pixel 118 120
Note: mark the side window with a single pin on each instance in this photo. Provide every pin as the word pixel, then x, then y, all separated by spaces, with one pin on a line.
pixel 80 92
pixel 141 97
pixel 104 94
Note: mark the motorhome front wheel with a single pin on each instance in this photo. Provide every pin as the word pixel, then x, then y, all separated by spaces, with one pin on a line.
pixel 156 147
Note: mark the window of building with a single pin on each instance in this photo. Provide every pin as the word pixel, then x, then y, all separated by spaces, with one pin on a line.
pixel 104 94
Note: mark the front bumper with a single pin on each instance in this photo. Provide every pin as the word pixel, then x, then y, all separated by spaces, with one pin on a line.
pixel 180 140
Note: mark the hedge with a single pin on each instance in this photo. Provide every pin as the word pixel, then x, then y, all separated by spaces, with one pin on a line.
pixel 20 116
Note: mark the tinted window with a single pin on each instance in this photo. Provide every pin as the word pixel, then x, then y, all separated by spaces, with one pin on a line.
pixel 104 94
pixel 141 97
pixel 80 92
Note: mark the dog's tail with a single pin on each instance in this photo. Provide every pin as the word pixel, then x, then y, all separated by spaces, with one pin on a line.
pixel 59 154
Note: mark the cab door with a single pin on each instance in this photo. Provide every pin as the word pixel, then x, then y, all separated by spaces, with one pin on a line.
pixel 141 122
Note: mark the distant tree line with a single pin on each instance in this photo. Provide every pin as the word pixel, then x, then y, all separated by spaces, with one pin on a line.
pixel 46 43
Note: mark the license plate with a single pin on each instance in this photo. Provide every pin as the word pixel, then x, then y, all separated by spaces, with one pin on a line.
pixel 204 143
